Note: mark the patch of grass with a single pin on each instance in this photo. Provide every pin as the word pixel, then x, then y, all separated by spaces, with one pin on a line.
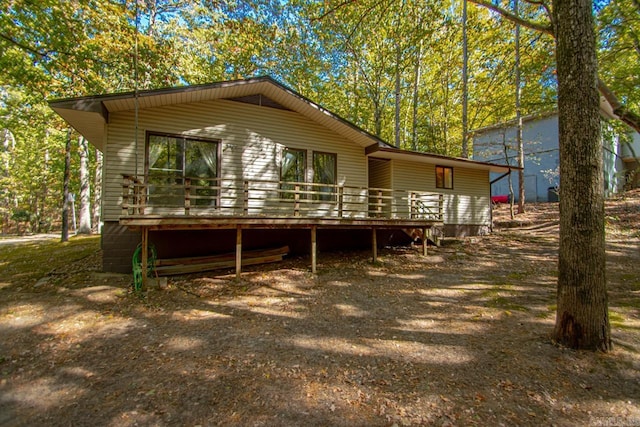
pixel 505 303
pixel 617 320
pixel 497 298
pixel 29 262
pixel 517 275
pixel 629 303
pixel 631 281
pixel 543 315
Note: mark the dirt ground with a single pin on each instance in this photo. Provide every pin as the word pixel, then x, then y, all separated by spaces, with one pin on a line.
pixel 460 337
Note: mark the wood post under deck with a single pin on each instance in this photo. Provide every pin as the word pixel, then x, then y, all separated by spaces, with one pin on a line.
pixel 238 251
pixel 374 244
pixel 158 223
pixel 314 247
pixel 145 255
pixel 424 241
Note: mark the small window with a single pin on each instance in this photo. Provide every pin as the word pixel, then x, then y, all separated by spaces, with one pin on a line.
pixel 292 170
pixel 444 177
pixel 324 172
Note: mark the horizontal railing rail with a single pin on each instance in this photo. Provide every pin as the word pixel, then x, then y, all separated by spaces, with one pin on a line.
pixel 220 196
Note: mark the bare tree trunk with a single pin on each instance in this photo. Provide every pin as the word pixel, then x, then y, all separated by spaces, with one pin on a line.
pixel 521 195
pixel 397 115
pixel 65 188
pixel 416 87
pixel 97 192
pixel 465 78
pixel 85 187
pixel 582 319
pixel 41 213
pixel 505 148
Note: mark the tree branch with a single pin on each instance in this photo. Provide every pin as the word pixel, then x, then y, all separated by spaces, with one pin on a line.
pixel 25 47
pixel 624 114
pixel 544 5
pixel 548 29
pixel 332 10
pixel 44 54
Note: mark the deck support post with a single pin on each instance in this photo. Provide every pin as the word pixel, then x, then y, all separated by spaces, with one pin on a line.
pixel 238 251
pixel 145 256
pixel 424 241
pixel 374 244
pixel 314 249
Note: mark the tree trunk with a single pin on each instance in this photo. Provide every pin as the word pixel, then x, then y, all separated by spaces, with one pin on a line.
pixel 65 188
pixel 97 192
pixel 465 81
pixel 416 87
pixel 397 105
pixel 85 188
pixel 582 320
pixel 521 195
pixel 505 149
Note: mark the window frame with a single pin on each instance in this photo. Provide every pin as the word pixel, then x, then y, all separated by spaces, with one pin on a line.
pixel 317 188
pixel 283 184
pixel 443 184
pixel 185 139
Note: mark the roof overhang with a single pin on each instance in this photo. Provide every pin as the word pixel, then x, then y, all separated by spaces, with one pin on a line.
pixel 379 152
pixel 88 115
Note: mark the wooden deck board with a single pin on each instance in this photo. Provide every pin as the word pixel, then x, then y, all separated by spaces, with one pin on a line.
pixel 160 222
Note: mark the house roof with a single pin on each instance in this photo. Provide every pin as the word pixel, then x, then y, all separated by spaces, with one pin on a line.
pixel 88 115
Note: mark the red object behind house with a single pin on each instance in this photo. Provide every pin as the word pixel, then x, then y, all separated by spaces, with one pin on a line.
pixel 502 198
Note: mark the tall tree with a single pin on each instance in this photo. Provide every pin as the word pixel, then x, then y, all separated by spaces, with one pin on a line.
pixel 465 83
pixel 518 92
pixel 97 192
pixel 65 192
pixel 582 319
pixel 84 212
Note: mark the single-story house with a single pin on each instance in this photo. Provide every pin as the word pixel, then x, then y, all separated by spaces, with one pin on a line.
pixel 204 169
pixel 540 135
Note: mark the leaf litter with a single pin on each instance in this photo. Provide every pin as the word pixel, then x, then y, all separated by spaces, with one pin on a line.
pixel 461 337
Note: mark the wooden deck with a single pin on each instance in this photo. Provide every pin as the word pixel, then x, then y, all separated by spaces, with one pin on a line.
pixel 172 222
pixel 239 205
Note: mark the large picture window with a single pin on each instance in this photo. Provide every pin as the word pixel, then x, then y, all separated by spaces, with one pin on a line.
pixel 292 169
pixel 444 177
pixel 324 172
pixel 171 159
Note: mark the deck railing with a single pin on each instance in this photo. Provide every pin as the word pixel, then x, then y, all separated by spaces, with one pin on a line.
pixel 228 197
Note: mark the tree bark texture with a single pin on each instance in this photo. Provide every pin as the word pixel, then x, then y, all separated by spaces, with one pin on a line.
pixel 582 320
pixel 85 187
pixel 416 98
pixel 519 142
pixel 397 106
pixel 97 193
pixel 465 83
pixel 65 188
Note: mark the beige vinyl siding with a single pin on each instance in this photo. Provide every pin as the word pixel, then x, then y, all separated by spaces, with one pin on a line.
pixel 467 203
pixel 379 173
pixel 379 180
pixel 252 139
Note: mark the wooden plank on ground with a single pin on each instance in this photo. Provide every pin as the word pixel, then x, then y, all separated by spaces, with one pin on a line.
pixel 256 253
pixel 198 268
